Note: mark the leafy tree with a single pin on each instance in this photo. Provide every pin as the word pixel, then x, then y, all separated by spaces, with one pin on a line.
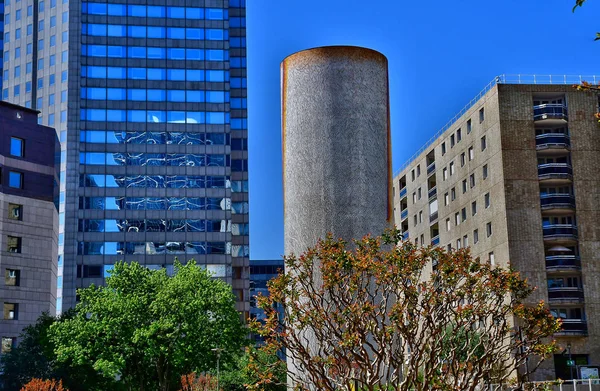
pixel 589 87
pixel 43 385
pixel 148 329
pixel 386 314
pixel 579 3
pixel 35 358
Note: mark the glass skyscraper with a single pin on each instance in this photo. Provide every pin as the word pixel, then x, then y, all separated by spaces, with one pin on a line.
pixel 149 101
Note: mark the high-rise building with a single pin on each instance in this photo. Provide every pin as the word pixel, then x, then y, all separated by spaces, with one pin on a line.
pixel 514 177
pixel 28 220
pixel 149 101
pixel 261 272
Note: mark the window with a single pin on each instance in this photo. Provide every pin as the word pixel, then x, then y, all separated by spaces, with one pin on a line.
pixel 420 216
pixel 17 146
pixel 475 236
pixel 446 199
pixel 15 180
pixel 443 148
pixel 449 247
pixel 451 141
pixel 13 244
pixel 471 154
pixel 11 311
pixel 415 220
pixel 473 208
pixel 464 186
pixel 412 175
pixel 466 241
pixel 419 192
pixel 452 194
pixel 483 144
pixel 488 229
pixel 472 180
pixel 487 200
pixel 418 170
pixel 15 211
pixel 469 126
pixel 451 168
pixel 491 259
pixel 462 159
pixel 458 135
pixel 12 277
pixel 414 198
pixel 448 225
pixel 422 240
pixel 463 214
pixel 457 219
pixel 458 246
pixel 8 343
pixel 481 115
pixel 485 171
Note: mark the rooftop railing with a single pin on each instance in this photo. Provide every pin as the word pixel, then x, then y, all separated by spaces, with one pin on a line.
pixel 502 79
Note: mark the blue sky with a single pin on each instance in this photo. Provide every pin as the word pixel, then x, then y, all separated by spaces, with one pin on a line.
pixel 441 54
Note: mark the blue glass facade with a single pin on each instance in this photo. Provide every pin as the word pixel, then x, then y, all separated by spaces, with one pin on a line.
pixel 149 101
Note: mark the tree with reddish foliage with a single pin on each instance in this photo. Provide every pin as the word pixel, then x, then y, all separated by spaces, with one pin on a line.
pixel 194 382
pixel 43 385
pixel 386 314
pixel 589 87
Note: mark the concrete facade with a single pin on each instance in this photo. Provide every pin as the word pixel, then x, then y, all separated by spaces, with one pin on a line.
pixel 28 220
pixel 526 196
pixel 336 162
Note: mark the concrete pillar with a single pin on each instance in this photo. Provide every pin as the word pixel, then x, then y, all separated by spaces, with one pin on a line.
pixel 336 145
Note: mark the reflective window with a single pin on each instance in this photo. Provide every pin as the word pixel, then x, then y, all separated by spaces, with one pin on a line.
pixel 17 146
pixel 15 180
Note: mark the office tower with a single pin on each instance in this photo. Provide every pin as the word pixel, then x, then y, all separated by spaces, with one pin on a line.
pixel 514 177
pixel 28 220
pixel 261 272
pixel 149 99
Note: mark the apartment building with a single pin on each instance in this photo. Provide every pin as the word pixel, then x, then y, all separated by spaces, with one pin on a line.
pixel 149 101
pixel 514 177
pixel 28 220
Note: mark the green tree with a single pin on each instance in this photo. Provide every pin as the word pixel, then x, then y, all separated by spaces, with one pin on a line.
pixel 148 329
pixel 35 358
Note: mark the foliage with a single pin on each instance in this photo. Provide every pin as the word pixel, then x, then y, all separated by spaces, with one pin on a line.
pixel 589 87
pixel 579 3
pixel 264 370
pixel 43 385
pixel 380 313
pixel 194 382
pixel 148 329
pixel 34 357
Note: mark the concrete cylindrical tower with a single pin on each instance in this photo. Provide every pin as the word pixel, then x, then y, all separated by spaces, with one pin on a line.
pixel 336 145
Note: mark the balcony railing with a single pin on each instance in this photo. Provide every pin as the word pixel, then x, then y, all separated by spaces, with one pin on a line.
pixel 550 111
pixel 560 231
pixel 432 192
pixel 403 192
pixel 430 168
pixel 436 240
pixel 565 294
pixel 563 262
pixel 404 214
pixel 433 217
pixel 551 201
pixel 552 141
pixel 573 326
pixel 555 171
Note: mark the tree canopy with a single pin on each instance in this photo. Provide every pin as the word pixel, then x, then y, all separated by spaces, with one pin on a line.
pixel 146 328
pixel 386 314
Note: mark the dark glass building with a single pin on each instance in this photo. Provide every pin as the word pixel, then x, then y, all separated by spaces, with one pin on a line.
pixel 149 101
pixel 261 271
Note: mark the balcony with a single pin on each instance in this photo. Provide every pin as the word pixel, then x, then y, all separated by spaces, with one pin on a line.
pixel 560 232
pixel 404 214
pixel 557 201
pixel 573 327
pixel 405 235
pixel 433 217
pixel 563 262
pixel 565 295
pixel 550 113
pixel 549 171
pixel 403 192
pixel 552 141
pixel 435 241
pixel 432 192
pixel 431 168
